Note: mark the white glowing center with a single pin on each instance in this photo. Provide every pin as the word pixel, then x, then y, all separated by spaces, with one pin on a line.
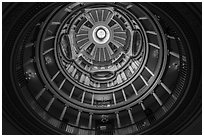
pixel 101 33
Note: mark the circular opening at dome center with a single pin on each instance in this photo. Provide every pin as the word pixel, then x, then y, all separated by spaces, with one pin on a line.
pixel 101 34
